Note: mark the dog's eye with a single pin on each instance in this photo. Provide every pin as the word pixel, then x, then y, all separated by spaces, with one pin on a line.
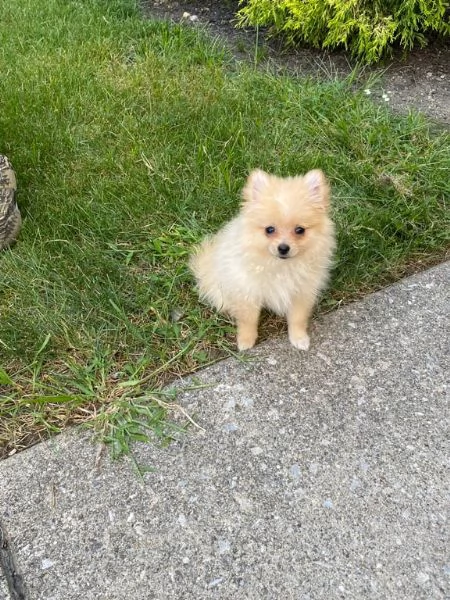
pixel 270 230
pixel 299 230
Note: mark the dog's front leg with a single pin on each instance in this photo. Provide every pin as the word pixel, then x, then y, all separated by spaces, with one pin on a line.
pixel 247 318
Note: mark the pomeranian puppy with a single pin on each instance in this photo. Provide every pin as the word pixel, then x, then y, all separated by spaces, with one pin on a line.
pixel 275 254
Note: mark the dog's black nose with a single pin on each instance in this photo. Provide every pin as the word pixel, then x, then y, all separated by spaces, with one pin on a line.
pixel 283 249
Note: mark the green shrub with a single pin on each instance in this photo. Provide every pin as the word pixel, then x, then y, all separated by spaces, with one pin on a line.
pixel 369 30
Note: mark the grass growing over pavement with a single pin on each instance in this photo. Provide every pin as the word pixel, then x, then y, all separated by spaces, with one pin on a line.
pixel 131 139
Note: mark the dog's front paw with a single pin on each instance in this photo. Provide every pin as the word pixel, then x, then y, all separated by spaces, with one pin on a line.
pixel 300 342
pixel 245 341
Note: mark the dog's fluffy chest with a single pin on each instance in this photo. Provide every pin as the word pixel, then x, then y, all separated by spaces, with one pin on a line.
pixel 272 284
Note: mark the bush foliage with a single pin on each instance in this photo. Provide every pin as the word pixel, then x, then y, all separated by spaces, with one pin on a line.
pixel 369 30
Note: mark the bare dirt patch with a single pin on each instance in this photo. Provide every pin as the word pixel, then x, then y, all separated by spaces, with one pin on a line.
pixel 421 81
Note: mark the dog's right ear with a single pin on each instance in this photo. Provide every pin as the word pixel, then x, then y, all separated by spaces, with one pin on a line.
pixel 256 184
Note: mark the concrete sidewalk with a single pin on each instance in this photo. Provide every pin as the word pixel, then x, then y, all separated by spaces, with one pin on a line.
pixel 319 475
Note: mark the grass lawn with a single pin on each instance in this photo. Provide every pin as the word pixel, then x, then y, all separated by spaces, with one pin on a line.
pixel 131 139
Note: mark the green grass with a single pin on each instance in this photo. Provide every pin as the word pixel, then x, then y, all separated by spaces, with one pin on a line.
pixel 131 139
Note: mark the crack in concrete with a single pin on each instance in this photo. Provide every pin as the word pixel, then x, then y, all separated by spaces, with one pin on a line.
pixel 14 579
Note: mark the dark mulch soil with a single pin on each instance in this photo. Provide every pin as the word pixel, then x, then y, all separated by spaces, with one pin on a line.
pixel 422 81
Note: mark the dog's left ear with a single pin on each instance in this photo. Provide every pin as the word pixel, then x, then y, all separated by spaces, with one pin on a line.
pixel 318 188
pixel 256 184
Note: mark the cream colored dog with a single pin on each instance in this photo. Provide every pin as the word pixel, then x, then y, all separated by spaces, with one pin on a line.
pixel 275 254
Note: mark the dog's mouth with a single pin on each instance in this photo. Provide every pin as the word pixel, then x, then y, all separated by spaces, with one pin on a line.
pixel 282 253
